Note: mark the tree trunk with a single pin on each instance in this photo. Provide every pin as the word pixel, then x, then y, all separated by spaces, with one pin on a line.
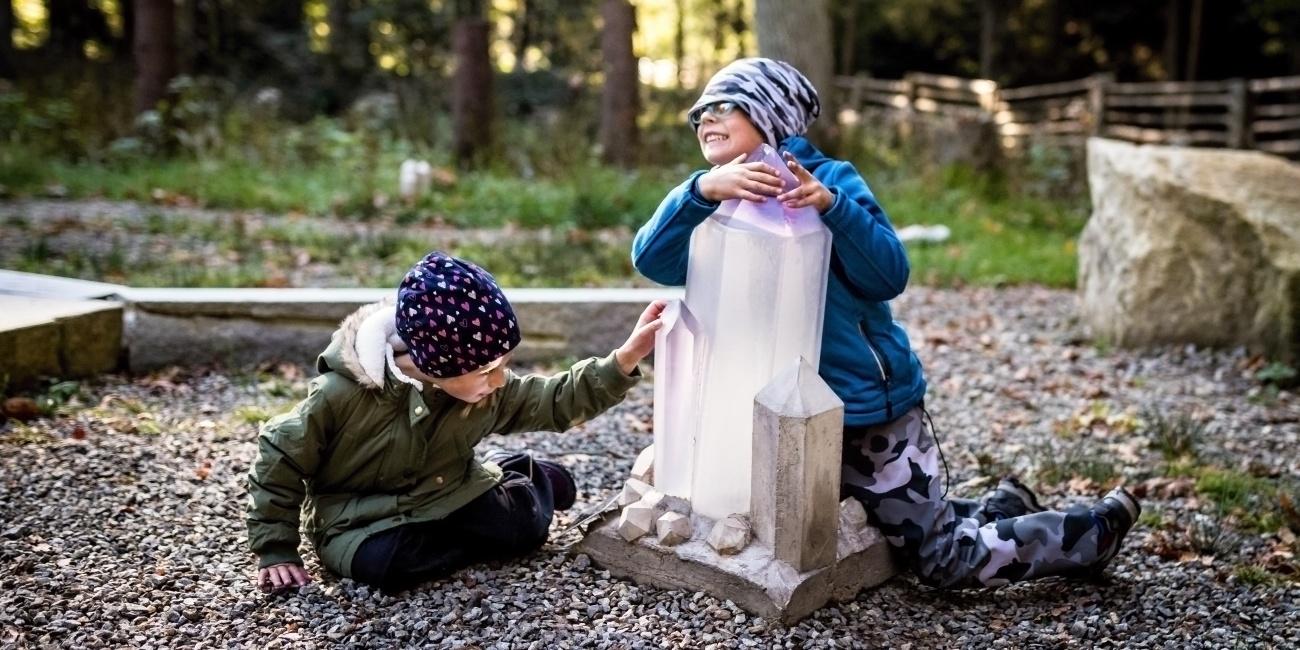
pixel 8 69
pixel 1194 39
pixel 123 45
pixel 472 111
pixel 721 18
pixel 1173 39
pixel 348 61
pixel 799 33
pixel 155 51
pixel 988 36
pixel 207 31
pixel 679 42
pixel 619 137
pixel 993 22
pixel 848 37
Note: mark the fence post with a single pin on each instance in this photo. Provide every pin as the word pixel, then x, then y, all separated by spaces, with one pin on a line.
pixel 855 91
pixel 1239 118
pixel 909 90
pixel 1097 100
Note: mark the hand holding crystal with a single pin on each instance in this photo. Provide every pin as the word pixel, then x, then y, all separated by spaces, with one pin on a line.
pixel 810 192
pixel 738 179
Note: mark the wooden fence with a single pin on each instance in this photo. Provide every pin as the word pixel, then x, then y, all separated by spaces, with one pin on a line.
pixel 1261 114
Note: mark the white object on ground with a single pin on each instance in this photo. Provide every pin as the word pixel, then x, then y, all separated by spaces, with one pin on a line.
pixel 924 234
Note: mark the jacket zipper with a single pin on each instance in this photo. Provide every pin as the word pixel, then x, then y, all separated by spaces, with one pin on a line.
pixel 884 372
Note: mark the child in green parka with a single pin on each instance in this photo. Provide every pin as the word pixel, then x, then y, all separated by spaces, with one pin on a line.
pixel 377 464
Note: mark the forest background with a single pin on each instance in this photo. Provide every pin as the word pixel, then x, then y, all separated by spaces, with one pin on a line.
pixel 246 143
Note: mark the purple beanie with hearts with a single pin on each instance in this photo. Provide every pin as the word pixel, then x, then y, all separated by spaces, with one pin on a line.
pixel 453 317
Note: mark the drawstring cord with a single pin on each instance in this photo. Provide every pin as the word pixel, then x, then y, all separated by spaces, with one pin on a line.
pixel 935 433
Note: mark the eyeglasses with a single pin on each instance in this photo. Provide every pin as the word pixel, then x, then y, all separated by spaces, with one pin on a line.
pixel 716 109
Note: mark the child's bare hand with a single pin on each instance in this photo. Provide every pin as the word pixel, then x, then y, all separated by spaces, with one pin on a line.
pixel 282 576
pixel 642 339
pixel 810 190
pixel 740 180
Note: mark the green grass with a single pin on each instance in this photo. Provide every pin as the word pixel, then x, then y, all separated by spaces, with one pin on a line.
pixel 254 415
pixel 999 238
pixel 1061 462
pixel 587 196
pixel 1175 436
pixel 1251 500
pixel 376 258
pixel 1257 576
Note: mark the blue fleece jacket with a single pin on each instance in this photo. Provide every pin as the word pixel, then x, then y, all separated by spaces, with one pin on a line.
pixel 866 357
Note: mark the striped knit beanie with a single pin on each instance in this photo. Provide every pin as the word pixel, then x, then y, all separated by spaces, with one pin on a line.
pixel 453 317
pixel 778 99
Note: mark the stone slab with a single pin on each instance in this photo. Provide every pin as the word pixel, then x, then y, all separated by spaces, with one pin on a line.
pixel 752 579
pixel 238 327
pixel 18 283
pixel 43 337
pixel 249 326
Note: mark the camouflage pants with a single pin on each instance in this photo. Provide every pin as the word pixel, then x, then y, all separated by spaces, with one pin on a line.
pixel 893 469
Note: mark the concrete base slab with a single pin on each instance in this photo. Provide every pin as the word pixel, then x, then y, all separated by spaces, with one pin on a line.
pixel 43 337
pixel 753 578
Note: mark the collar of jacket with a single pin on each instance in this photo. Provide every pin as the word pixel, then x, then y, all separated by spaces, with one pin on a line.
pixel 362 350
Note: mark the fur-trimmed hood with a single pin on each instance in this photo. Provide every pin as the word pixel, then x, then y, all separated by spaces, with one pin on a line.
pixel 363 347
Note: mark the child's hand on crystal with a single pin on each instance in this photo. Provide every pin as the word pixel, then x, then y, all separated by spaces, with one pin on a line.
pixel 642 339
pixel 810 190
pixel 738 179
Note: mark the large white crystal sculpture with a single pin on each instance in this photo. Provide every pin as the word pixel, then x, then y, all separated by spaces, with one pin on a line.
pixel 755 296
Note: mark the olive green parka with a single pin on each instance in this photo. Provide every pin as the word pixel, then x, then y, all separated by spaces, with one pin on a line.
pixel 357 457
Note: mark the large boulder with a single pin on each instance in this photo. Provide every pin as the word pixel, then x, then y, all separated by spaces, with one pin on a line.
pixel 1192 246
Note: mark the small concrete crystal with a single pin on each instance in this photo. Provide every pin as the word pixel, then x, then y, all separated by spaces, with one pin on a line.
pixel 730 535
pixel 673 528
pixel 633 490
pixel 653 499
pixel 852 514
pixel 678 505
pixel 643 469
pixel 854 535
pixel 635 521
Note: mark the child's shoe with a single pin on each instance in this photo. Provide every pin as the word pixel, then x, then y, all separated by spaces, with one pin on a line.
pixel 563 488
pixel 1114 516
pixel 1010 498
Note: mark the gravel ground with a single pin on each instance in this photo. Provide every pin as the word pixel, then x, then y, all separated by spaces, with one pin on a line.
pixel 121 520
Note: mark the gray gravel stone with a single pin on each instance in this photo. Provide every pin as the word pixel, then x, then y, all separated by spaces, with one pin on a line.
pixel 134 535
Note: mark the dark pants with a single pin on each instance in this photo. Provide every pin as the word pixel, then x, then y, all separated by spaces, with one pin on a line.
pixel 511 519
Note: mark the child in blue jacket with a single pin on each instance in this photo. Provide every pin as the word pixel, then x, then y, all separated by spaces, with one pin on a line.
pixel 891 458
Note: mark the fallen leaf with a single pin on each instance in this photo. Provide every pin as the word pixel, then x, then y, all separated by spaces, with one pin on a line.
pixel 289 371
pixel 23 409
pixel 78 432
pixel 1289 509
pixel 1163 488
pixel 204 470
